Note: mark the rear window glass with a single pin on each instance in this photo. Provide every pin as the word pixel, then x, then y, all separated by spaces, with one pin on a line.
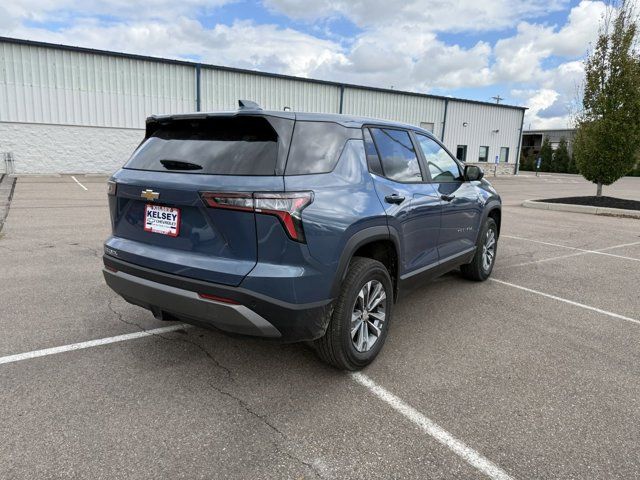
pixel 316 147
pixel 222 146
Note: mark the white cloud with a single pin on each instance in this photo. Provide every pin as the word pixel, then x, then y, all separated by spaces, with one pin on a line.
pixel 434 15
pixel 399 43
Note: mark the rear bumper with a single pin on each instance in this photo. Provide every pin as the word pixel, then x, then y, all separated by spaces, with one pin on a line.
pixel 173 297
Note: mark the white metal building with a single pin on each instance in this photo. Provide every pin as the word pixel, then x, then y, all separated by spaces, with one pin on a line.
pixel 76 110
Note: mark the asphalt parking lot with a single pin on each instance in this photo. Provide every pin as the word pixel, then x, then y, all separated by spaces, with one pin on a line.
pixel 534 374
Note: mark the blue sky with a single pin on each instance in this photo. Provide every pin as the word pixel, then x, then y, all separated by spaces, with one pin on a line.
pixel 529 52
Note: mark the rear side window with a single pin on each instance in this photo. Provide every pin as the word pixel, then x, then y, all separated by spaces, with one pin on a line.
pixel 399 160
pixel 222 146
pixel 316 147
pixel 373 160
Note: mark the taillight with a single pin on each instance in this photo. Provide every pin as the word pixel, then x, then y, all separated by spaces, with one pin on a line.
pixel 287 206
pixel 111 187
pixel 231 201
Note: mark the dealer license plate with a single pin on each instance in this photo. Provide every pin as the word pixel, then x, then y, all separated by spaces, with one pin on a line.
pixel 161 219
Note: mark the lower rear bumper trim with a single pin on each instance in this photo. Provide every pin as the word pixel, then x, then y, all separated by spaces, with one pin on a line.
pixel 189 305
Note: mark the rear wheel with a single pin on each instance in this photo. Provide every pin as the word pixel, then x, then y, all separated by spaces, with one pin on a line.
pixel 479 269
pixel 360 319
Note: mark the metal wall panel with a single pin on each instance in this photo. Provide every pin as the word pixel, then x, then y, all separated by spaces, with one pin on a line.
pixel 48 85
pixel 486 125
pixel 401 107
pixel 222 89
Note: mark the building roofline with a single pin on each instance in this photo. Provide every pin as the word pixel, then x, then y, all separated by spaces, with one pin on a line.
pixel 549 130
pixel 35 43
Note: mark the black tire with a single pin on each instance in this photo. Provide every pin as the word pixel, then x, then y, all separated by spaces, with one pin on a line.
pixel 336 347
pixel 476 270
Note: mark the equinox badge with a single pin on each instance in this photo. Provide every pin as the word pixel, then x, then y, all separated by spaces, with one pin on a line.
pixel 149 194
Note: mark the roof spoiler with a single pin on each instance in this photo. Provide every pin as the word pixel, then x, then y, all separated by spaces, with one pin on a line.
pixel 248 105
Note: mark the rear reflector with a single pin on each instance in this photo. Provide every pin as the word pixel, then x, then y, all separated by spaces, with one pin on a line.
pixel 287 206
pixel 110 268
pixel 215 298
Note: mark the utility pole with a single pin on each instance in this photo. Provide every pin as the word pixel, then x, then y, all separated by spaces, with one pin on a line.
pixel 498 98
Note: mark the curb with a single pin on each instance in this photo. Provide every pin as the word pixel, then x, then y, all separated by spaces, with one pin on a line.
pixel 564 207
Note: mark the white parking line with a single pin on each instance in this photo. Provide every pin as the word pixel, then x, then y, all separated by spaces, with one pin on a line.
pixel 570 302
pixel 600 251
pixel 91 343
pixel 428 426
pixel 76 180
pixel 432 429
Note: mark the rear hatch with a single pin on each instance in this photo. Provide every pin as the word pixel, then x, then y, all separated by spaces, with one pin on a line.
pixel 161 218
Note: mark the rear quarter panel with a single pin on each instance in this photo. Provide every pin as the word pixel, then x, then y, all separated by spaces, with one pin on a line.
pixel 345 202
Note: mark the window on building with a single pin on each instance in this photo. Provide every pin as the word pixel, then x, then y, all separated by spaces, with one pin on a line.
pixel 441 166
pixel 461 153
pixel 504 154
pixel 428 126
pixel 399 161
pixel 484 154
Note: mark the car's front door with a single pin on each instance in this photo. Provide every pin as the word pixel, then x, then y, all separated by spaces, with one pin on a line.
pixel 461 204
pixel 412 204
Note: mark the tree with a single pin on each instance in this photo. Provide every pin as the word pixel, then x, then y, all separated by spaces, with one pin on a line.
pixel 608 127
pixel 546 154
pixel 561 158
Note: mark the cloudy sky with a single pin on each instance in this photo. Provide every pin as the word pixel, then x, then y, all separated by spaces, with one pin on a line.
pixel 528 51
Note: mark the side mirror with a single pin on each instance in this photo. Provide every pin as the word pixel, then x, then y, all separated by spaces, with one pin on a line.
pixel 473 172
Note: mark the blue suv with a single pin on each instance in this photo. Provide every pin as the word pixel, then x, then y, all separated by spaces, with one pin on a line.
pixel 296 226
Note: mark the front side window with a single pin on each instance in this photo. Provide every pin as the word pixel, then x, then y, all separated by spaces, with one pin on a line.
pixel 484 154
pixel 441 166
pixel 461 153
pixel 399 160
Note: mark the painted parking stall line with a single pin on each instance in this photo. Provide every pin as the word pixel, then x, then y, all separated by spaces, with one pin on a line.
pixel 88 344
pixel 600 251
pixel 570 302
pixel 432 429
pixel 81 185
pixel 427 425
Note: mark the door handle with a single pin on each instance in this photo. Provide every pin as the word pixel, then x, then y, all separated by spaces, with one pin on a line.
pixel 395 198
pixel 447 198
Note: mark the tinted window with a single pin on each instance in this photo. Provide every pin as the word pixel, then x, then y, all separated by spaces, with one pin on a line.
pixel 461 153
pixel 441 166
pixel 373 160
pixel 399 161
pixel 225 146
pixel 504 154
pixel 316 147
pixel 483 155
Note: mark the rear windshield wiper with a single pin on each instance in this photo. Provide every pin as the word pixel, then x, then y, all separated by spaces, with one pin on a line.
pixel 178 165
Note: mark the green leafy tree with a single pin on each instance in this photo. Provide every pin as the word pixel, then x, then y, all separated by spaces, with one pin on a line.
pixel 608 127
pixel 546 154
pixel 561 158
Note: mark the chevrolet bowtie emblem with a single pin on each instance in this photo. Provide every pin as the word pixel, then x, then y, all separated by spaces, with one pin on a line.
pixel 149 194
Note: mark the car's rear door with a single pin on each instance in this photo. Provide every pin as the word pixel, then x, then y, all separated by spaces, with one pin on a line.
pixel 411 203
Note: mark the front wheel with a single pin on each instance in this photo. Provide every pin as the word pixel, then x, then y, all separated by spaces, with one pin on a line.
pixel 479 269
pixel 360 319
